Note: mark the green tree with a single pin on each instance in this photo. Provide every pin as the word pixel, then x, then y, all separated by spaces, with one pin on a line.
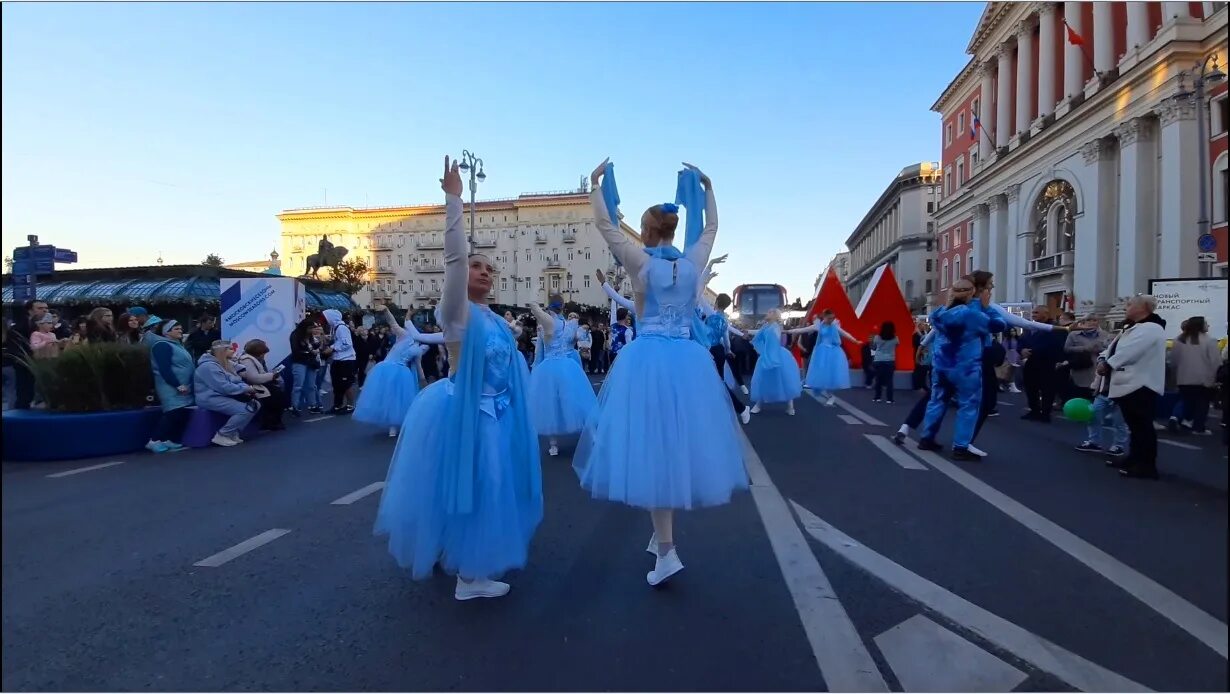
pixel 350 275
pixel 213 260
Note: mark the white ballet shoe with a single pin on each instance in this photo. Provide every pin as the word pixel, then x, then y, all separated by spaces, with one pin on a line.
pixel 652 548
pixel 553 450
pixel 790 409
pixel 392 432
pixel 745 416
pixel 744 389
pixel 664 568
pixel 480 588
pixel 756 408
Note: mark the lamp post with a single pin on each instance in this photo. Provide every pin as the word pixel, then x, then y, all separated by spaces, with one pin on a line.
pixel 1203 75
pixel 474 165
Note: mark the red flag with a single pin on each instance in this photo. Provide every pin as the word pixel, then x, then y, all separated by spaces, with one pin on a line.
pixel 1074 38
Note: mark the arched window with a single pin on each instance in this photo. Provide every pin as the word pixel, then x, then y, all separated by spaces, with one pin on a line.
pixel 1221 188
pixel 944 275
pixel 1055 226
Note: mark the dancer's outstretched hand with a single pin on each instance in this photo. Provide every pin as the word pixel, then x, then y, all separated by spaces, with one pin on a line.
pixel 601 276
pixel 720 259
pixel 596 176
pixel 451 183
pixel 704 180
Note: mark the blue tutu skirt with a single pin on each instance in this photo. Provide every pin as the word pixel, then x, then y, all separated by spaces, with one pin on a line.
pixel 828 369
pixel 561 397
pixel 664 433
pixel 485 543
pixel 387 394
pixel 778 384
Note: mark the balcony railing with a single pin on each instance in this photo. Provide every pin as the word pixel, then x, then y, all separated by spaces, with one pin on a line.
pixel 429 244
pixel 484 242
pixel 430 267
pixel 540 237
pixel 570 236
pixel 1050 263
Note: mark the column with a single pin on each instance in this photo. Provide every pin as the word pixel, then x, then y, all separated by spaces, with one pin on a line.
pixel 1103 38
pixel 982 238
pixel 1073 58
pixel 1046 60
pixel 997 250
pixel 1018 246
pixel 986 114
pixel 1173 10
pixel 1093 277
pixel 1179 203
pixel 1137 183
pixel 1024 80
pixel 1137 25
pixel 1003 97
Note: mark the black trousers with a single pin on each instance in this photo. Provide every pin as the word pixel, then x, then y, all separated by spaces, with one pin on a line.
pixel 343 374
pixel 171 425
pixel 733 364
pixel 272 408
pixel 719 360
pixel 1040 387
pixel 1138 408
pixel 990 396
pixel 23 384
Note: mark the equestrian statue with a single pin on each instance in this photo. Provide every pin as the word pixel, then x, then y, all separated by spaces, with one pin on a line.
pixel 326 255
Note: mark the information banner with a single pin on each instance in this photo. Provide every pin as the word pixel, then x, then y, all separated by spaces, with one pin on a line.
pixel 265 308
pixel 1180 299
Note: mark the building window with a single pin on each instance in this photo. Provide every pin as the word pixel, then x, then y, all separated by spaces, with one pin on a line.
pixel 948 182
pixel 976 109
pixel 944 275
pixel 961 171
pixel 961 122
pixel 947 134
pixel 504 284
pixel 585 280
pixel 943 243
pixel 956 268
pixel 930 207
pixel 542 283
pixel 973 160
pixel 928 286
pixel 1221 116
pixel 587 254
pixel 527 282
pixel 1221 188
pixel 969 261
pixel 928 265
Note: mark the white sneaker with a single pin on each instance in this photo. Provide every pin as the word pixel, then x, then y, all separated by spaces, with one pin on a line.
pixel 756 408
pixel 652 548
pixel 1013 389
pixel 664 568
pixel 553 450
pixel 392 432
pixel 975 451
pixel 220 439
pixel 790 409
pixel 745 416
pixel 480 588
pixel 744 389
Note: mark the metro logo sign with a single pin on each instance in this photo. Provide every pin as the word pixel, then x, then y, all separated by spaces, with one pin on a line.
pixel 881 302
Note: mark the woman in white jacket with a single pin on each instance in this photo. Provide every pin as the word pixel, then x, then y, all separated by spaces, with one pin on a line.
pixel 1135 362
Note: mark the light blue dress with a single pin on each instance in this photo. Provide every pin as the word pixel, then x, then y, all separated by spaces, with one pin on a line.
pixel 464 488
pixel 776 378
pixel 664 435
pixel 828 369
pixel 391 385
pixel 561 397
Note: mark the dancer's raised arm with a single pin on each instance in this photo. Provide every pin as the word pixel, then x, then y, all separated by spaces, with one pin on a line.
pixel 628 253
pixel 546 322
pixel 391 321
pixel 699 252
pixel 454 301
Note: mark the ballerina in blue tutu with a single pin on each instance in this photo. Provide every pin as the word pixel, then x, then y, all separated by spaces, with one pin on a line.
pixel 561 396
pixel 464 488
pixel 663 436
pixel 829 370
pixel 776 378
pixel 393 383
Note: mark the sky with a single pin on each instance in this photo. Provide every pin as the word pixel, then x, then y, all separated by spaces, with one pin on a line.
pixel 134 131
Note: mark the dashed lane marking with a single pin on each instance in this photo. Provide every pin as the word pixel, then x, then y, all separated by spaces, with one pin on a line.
pixel 358 494
pixel 242 548
pixel 78 471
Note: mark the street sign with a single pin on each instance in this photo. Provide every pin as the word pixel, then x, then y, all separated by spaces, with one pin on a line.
pixel 34 253
pixel 1206 243
pixel 37 266
pixel 23 279
pixel 1206 257
pixel 63 255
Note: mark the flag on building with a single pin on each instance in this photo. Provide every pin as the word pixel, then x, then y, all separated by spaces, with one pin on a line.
pixel 974 125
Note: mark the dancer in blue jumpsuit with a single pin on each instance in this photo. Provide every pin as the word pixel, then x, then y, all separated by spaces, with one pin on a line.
pixel 961 329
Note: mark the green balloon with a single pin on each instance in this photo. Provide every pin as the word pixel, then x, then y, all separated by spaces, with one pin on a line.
pixel 1078 410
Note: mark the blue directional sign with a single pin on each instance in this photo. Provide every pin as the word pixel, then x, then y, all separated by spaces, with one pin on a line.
pixel 63 255
pixel 1206 243
pixel 37 266
pixel 34 252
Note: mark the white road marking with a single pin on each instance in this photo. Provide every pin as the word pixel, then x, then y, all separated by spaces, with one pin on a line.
pixel 1178 444
pixel 895 452
pixel 319 419
pixel 926 657
pixel 359 494
pixel 849 419
pixel 1033 649
pixel 839 650
pixel 77 471
pixel 242 548
pixel 1195 621
pixel 857 413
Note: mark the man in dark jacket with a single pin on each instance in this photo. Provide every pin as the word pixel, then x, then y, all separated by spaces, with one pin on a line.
pixel 206 333
pixel 1041 351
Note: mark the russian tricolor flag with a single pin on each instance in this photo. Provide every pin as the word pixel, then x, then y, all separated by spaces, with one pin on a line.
pixel 974 125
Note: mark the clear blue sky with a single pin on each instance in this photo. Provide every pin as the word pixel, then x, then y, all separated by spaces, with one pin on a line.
pixel 134 129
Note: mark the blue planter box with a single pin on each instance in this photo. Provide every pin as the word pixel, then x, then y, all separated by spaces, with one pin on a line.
pixel 39 435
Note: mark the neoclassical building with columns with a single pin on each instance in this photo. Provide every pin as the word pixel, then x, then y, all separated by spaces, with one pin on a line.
pixel 1071 168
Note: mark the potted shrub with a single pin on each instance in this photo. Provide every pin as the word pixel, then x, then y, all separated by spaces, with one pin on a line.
pixel 96 399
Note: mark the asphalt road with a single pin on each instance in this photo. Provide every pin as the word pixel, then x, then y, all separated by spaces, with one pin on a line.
pixel 853 564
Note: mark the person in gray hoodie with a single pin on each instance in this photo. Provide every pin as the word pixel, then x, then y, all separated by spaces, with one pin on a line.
pixel 343 362
pixel 219 388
